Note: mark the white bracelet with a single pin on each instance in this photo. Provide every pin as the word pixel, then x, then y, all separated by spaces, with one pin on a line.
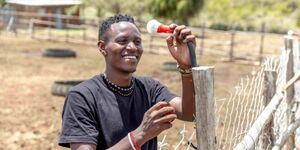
pixel 130 141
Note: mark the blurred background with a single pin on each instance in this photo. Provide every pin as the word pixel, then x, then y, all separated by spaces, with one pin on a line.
pixel 48 46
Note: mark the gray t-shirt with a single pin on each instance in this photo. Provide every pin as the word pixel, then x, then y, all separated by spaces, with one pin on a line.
pixel 94 114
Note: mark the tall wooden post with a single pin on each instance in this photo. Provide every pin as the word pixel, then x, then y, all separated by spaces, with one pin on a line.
pixel 261 46
pixel 84 35
pixel 49 27
pixel 31 27
pixel 232 44
pixel 203 78
pixel 67 30
pixel 151 43
pixel 202 39
pixel 288 40
pixel 269 91
pixel 297 93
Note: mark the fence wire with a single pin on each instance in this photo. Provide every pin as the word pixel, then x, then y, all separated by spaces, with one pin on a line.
pixel 236 114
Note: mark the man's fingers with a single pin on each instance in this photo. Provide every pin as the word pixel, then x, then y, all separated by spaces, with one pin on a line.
pixel 158 106
pixel 173 26
pixel 178 30
pixel 170 41
pixel 190 38
pixel 166 119
pixel 163 111
pixel 184 33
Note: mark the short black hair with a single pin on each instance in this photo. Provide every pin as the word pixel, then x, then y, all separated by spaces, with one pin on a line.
pixel 105 25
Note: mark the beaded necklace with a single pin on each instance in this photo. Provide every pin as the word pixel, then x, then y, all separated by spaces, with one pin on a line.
pixel 117 89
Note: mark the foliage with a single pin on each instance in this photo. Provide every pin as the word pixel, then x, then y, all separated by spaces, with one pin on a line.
pixel 219 14
pixel 72 10
pixel 2 3
pixel 219 26
pixel 105 8
pixel 178 10
pixel 249 14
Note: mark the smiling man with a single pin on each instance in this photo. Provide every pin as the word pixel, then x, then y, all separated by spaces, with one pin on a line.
pixel 117 110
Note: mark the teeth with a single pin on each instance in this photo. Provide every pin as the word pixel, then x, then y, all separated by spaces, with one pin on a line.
pixel 130 57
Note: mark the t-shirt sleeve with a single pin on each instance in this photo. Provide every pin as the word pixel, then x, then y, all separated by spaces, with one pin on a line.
pixel 78 121
pixel 160 92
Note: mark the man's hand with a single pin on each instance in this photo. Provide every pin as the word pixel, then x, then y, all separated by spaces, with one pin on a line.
pixel 157 119
pixel 177 44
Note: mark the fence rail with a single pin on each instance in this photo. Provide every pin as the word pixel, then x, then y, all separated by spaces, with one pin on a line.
pixel 233 45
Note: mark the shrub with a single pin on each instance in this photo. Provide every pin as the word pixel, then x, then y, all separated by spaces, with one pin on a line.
pixel 219 26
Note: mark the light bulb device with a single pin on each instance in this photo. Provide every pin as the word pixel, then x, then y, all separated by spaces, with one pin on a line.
pixel 153 26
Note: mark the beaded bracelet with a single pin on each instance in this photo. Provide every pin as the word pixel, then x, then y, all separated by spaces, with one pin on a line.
pixel 184 71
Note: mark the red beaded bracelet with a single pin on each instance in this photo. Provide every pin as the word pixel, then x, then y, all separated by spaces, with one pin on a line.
pixel 133 141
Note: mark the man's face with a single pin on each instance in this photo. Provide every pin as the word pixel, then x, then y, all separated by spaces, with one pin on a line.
pixel 123 46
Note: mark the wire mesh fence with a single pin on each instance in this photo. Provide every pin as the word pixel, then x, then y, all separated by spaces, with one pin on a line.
pixel 237 114
pixel 243 111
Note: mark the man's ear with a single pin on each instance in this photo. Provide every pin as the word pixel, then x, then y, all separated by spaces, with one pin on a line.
pixel 101 47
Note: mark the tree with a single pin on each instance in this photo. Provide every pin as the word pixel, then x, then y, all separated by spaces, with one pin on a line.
pixel 108 8
pixel 2 3
pixel 277 14
pixel 178 10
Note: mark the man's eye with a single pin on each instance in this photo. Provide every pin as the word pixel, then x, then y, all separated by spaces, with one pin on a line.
pixel 137 42
pixel 122 41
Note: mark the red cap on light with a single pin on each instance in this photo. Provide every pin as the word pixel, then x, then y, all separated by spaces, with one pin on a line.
pixel 164 29
pixel 153 26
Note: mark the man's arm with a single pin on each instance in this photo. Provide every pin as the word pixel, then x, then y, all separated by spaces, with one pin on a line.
pixel 177 45
pixel 185 106
pixel 121 145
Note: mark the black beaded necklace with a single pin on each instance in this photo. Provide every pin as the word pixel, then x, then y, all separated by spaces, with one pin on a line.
pixel 123 91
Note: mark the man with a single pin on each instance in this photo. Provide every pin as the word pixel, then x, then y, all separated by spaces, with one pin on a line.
pixel 117 110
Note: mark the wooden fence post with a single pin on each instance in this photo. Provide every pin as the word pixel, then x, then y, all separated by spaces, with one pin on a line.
pixel 84 35
pixel 288 40
pixel 297 93
pixel 49 27
pixel 232 44
pixel 150 43
pixel 270 78
pixel 203 78
pixel 202 38
pixel 261 46
pixel 67 30
pixel 31 28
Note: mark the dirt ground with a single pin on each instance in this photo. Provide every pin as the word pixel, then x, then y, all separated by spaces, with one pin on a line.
pixel 31 116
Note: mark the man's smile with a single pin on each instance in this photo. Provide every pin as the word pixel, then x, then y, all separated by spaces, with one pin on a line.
pixel 130 57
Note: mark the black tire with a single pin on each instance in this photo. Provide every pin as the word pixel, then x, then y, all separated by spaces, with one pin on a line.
pixel 62 88
pixel 172 66
pixel 62 53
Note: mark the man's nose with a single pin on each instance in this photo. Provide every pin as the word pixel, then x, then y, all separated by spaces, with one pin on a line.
pixel 131 46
